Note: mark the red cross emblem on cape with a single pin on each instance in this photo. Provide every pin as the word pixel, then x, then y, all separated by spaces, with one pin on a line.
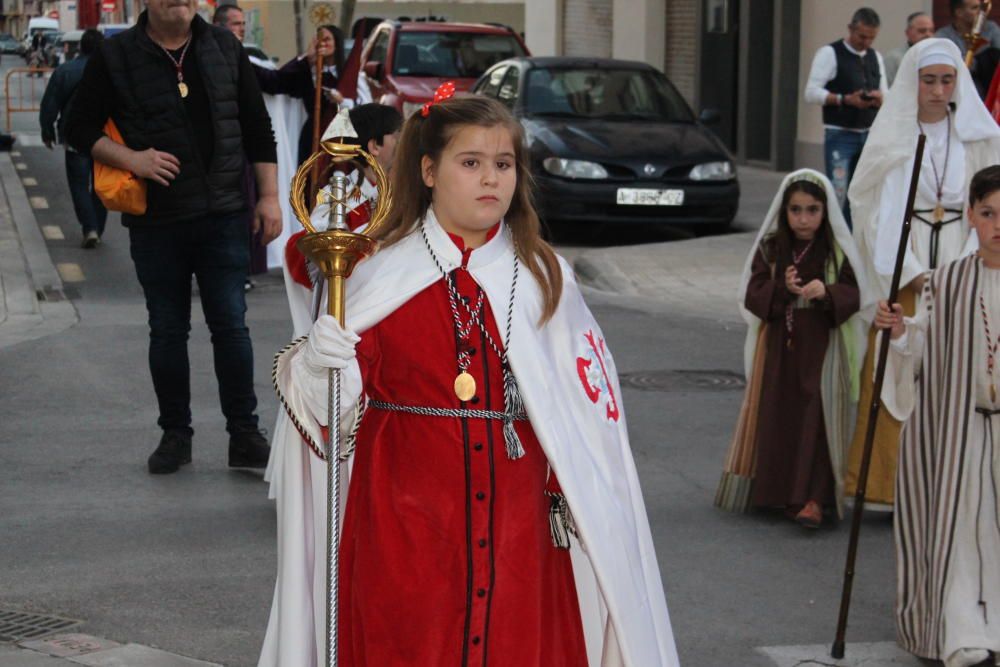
pixel 592 368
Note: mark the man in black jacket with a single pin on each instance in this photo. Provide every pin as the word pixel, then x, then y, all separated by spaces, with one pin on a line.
pixel 186 100
pixel 90 212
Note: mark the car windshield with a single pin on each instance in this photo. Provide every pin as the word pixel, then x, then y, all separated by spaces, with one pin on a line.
pixel 606 94
pixel 451 54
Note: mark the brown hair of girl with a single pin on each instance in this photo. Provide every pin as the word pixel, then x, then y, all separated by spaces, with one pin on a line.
pixel 778 244
pixel 428 136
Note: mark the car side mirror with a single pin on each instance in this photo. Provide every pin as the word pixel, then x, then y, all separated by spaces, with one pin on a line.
pixel 710 116
pixel 374 70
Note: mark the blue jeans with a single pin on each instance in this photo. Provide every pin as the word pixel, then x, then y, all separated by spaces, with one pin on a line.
pixel 842 150
pixel 214 250
pixel 87 205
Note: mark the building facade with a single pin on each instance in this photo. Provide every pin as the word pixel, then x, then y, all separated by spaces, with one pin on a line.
pixel 747 59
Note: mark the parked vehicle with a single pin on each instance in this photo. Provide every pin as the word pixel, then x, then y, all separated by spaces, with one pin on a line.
pixel 613 141
pixel 8 44
pixel 38 24
pixel 111 29
pixel 405 61
pixel 67 45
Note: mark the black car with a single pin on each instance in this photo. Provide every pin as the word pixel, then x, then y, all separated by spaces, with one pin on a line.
pixel 613 141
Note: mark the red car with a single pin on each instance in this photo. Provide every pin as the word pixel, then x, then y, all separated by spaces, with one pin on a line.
pixel 405 62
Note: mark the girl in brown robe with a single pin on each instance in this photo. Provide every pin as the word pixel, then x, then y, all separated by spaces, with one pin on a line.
pixel 803 288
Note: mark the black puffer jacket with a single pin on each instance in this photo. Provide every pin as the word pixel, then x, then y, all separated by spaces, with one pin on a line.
pixel 149 112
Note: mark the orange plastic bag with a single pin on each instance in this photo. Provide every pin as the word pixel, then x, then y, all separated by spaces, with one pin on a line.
pixel 119 190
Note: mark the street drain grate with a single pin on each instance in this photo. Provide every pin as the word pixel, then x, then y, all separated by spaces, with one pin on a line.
pixel 17 625
pixel 683 380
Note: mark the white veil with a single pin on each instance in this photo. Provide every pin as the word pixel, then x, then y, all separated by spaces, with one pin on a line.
pixel 841 234
pixel 892 142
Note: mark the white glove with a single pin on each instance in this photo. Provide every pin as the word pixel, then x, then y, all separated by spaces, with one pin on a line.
pixel 329 346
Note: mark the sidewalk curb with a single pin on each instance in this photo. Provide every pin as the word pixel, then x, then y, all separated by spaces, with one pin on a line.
pixel 32 302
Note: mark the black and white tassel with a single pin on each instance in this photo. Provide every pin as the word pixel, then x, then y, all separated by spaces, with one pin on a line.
pixel 561 524
pixel 513 405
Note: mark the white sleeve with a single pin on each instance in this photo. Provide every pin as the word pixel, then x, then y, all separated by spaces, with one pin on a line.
pixel 904 363
pixel 883 79
pixel 364 94
pixel 824 69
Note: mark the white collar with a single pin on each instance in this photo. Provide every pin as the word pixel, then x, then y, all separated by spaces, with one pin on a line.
pixel 853 50
pixel 451 257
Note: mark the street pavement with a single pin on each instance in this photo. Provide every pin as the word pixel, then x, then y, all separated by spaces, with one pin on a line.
pixel 185 563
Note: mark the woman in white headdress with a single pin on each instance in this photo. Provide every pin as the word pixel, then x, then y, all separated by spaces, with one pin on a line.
pixel 933 93
pixel 800 295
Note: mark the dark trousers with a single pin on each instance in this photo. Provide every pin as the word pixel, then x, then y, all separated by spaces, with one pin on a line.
pixel 214 250
pixel 87 205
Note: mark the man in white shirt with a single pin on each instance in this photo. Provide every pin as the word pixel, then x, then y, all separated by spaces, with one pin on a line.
pixel 848 80
pixel 919 26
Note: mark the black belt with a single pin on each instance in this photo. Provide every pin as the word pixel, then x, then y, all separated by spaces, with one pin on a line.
pixel 936 229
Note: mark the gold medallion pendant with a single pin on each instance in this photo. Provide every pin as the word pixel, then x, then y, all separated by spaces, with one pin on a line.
pixel 465 386
pixel 938 213
pixel 183 87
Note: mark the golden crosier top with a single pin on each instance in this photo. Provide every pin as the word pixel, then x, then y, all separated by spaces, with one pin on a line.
pixel 340 153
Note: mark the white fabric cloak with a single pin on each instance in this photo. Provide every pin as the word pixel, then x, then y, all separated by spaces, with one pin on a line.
pixel 881 181
pixel 622 603
pixel 846 349
pixel 287 117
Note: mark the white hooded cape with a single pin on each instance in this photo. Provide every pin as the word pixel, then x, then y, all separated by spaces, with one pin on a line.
pixel 845 351
pixel 621 597
pixel 881 181
pixel 287 116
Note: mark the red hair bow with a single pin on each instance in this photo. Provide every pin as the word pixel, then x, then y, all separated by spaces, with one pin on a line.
pixel 444 92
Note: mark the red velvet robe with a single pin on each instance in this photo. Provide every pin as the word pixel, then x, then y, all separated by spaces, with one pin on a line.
pixel 447 557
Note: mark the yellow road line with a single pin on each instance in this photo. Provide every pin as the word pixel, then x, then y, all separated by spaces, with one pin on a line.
pixel 70 273
pixel 21 166
pixel 28 180
pixel 53 232
pixel 38 202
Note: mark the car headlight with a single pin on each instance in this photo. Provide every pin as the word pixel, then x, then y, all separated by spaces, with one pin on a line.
pixel 574 168
pixel 712 171
pixel 410 108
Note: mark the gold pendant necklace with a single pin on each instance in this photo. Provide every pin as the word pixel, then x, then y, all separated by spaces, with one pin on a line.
pixel 465 386
pixel 939 212
pixel 183 88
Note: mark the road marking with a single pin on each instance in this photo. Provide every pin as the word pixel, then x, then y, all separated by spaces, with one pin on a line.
pixel 29 139
pixel 70 273
pixel 21 166
pixel 39 202
pixel 29 180
pixel 53 232
pixel 883 654
pixel 15 153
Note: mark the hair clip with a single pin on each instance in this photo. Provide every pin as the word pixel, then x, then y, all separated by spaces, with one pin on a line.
pixel 444 92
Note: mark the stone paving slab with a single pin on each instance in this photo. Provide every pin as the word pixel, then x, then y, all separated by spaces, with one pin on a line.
pixel 879 654
pixel 135 655
pixel 63 646
pixel 11 656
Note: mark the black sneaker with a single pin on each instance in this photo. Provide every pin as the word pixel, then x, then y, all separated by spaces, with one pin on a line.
pixel 173 452
pixel 248 449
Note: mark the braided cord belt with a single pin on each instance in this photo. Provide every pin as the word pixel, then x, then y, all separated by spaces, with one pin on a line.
pixel 447 412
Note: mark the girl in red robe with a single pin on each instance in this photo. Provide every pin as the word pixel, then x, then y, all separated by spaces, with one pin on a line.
pixel 456 532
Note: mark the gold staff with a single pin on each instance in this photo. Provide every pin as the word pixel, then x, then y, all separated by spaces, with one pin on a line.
pixel 974 39
pixel 336 251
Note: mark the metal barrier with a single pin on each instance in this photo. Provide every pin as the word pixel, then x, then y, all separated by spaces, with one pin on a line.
pixel 36 79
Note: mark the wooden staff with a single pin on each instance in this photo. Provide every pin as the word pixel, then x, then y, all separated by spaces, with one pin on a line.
pixel 883 353
pixel 317 115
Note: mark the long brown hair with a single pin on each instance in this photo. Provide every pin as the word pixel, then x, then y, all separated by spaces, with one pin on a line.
pixel 428 136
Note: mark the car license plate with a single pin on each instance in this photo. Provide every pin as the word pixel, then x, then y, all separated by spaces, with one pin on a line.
pixel 650 197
